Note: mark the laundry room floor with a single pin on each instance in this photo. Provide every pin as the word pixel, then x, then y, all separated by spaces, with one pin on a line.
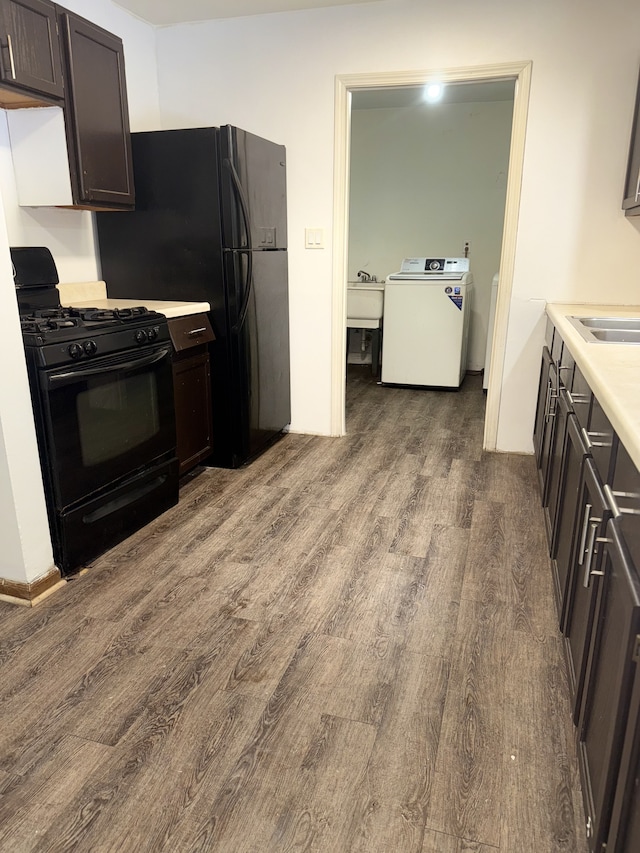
pixel 349 645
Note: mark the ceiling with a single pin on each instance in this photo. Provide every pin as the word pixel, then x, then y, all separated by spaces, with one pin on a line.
pixel 454 93
pixel 163 13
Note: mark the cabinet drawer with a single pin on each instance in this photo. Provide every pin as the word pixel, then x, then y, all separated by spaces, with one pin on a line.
pixel 626 493
pixel 602 437
pixel 190 331
pixel 581 398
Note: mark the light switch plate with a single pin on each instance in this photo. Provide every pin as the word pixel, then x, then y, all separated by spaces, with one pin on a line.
pixel 314 238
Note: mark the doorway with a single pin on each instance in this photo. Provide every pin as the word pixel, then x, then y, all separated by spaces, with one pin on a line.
pixel 391 85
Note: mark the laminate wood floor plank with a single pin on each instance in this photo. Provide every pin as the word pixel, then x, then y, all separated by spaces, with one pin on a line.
pixel 538 806
pixel 486 576
pixel 433 501
pixel 394 796
pixel 530 591
pixel 316 815
pixel 439 597
pixel 467 791
pixel 173 760
pixel 438 842
pixel 271 754
pixel 378 601
pixel 59 778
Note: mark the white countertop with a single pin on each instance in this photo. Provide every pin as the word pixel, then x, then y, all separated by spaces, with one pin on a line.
pixel 93 294
pixel 612 370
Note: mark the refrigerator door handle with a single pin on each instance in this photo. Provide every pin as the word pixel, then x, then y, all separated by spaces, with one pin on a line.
pixel 241 198
pixel 248 288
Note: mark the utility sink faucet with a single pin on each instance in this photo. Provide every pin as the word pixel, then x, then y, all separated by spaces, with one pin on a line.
pixel 364 276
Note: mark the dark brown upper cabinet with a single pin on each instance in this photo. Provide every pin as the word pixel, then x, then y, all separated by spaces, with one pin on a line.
pixel 96 115
pixel 631 201
pixel 30 63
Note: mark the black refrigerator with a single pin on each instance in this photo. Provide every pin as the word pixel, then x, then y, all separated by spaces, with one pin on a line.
pixel 210 224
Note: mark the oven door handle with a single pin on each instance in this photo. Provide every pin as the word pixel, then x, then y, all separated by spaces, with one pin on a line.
pixel 58 380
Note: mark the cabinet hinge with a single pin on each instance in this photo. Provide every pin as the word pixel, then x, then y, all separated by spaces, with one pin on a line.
pixel 635 655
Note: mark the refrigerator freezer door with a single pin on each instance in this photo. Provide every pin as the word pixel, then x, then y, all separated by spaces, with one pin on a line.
pixel 260 353
pixel 170 246
pixel 253 191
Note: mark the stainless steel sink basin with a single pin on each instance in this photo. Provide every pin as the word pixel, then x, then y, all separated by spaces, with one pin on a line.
pixel 617 336
pixel 608 330
pixel 611 322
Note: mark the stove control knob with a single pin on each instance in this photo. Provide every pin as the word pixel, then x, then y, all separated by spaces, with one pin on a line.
pixel 153 333
pixel 90 347
pixel 141 336
pixel 75 351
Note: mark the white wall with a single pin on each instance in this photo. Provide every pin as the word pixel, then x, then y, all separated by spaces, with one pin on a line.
pixel 274 75
pixel 24 532
pixel 425 179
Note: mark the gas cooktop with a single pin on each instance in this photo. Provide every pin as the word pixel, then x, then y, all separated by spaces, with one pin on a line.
pixel 62 335
pixel 69 323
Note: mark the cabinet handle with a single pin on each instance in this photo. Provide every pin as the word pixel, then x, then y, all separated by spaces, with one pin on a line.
pixel 611 496
pixel 611 500
pixel 599 435
pixel 13 66
pixel 587 566
pixel 551 395
pixel 193 332
pixel 583 535
pixel 586 439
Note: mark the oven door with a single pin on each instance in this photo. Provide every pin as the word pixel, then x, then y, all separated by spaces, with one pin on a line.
pixel 106 419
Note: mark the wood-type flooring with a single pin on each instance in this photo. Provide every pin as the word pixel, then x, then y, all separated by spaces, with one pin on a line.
pixel 348 646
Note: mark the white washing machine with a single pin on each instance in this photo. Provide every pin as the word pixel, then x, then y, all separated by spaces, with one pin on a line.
pixel 490 325
pixel 427 306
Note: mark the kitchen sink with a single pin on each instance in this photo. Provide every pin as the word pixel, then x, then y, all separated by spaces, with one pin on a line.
pixel 610 322
pixel 617 336
pixel 608 330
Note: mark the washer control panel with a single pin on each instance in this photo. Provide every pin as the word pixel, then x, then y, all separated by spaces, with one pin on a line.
pixel 435 265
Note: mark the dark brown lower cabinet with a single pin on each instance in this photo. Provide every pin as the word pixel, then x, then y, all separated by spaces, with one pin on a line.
pixel 590 490
pixel 584 580
pixel 609 683
pixel 544 417
pixel 192 389
pixel 624 830
pixel 574 452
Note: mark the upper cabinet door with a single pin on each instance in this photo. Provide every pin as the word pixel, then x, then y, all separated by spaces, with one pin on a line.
pixel 631 201
pixel 30 48
pixel 97 116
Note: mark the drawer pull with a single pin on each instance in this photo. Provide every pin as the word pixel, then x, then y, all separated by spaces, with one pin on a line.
pixel 587 566
pixel 583 536
pixel 10 46
pixel 611 500
pixel 193 332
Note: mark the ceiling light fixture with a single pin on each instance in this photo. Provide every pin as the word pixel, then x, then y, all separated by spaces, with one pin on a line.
pixel 433 92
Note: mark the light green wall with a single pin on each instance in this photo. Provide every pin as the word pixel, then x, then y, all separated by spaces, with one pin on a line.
pixel 423 181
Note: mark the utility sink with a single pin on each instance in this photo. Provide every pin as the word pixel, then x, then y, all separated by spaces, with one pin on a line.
pixel 365 300
pixel 608 330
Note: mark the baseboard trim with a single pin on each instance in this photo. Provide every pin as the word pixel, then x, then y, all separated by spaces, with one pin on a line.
pixel 30 594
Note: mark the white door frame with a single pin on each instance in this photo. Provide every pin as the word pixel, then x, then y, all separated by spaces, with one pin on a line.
pixel 344 85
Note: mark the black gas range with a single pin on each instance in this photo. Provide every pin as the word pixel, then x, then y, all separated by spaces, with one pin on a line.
pixel 102 392
pixel 68 335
